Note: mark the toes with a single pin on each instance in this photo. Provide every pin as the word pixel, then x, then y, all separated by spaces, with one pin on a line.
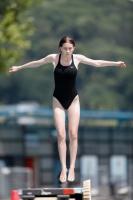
pixel 62 177
pixel 71 176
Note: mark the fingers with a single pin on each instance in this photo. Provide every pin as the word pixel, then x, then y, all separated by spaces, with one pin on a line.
pixel 122 64
pixel 13 69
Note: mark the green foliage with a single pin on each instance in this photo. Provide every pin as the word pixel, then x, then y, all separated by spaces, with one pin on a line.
pixel 14 27
pixel 102 30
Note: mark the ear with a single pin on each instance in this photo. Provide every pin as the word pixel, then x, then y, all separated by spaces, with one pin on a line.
pixel 73 48
pixel 60 49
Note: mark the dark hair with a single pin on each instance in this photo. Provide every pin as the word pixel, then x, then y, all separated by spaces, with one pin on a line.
pixel 66 39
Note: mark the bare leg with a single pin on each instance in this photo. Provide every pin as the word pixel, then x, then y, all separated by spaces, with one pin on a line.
pixel 59 118
pixel 73 116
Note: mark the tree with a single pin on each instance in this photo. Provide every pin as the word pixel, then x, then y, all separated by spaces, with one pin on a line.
pixel 15 26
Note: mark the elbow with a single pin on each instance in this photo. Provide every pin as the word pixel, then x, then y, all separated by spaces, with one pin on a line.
pixel 36 64
pixel 97 64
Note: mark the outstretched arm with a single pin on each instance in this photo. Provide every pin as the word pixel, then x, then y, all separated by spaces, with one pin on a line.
pixel 45 60
pixel 99 63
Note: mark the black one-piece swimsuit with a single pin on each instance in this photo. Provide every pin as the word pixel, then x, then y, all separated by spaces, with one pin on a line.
pixel 65 83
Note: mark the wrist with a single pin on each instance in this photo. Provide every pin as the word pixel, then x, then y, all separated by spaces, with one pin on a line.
pixel 117 64
pixel 19 67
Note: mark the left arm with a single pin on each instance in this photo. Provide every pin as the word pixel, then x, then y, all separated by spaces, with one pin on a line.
pixel 99 63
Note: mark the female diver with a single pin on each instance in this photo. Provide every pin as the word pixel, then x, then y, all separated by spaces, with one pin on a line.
pixel 65 96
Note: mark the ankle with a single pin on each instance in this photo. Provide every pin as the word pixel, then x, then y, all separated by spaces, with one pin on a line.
pixel 72 167
pixel 63 167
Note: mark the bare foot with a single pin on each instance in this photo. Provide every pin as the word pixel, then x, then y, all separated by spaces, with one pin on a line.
pixel 63 175
pixel 71 174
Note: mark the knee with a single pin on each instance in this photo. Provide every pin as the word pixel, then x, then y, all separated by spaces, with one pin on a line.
pixel 61 135
pixel 73 134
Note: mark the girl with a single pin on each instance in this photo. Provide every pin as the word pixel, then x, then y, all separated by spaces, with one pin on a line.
pixel 65 96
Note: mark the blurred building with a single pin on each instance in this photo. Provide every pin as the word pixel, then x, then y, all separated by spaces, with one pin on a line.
pixel 28 138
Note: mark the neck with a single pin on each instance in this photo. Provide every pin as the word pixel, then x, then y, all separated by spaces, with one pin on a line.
pixel 66 57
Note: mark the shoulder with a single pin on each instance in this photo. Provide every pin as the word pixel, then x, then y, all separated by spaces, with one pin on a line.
pixel 78 57
pixel 55 55
pixel 52 57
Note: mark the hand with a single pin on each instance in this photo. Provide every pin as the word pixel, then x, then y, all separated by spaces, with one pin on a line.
pixel 121 64
pixel 14 69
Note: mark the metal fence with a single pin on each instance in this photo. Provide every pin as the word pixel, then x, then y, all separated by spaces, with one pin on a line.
pixel 14 178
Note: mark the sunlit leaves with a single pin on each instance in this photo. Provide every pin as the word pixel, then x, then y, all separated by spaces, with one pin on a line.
pixel 14 28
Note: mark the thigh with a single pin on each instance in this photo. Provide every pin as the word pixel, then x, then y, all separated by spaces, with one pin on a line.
pixel 74 115
pixel 59 116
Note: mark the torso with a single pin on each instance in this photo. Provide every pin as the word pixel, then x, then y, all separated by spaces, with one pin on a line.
pixel 65 82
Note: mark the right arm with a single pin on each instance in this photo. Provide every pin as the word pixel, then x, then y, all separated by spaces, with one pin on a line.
pixel 45 60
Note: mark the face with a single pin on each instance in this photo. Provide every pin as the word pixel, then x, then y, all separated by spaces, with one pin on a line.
pixel 67 49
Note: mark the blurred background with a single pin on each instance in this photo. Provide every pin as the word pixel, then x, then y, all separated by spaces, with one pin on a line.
pixel 30 30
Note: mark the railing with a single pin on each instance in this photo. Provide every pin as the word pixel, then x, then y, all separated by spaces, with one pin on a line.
pixel 14 178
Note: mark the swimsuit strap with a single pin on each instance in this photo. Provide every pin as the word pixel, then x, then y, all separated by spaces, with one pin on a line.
pixel 72 60
pixel 59 59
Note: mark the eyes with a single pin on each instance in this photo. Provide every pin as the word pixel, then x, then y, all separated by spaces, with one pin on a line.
pixel 65 48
